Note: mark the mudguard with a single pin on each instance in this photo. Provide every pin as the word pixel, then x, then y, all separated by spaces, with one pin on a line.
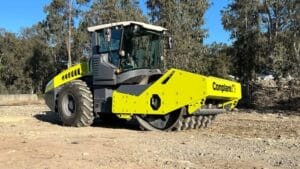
pixel 52 88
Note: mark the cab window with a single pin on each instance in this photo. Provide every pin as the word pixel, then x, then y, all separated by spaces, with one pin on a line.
pixel 113 44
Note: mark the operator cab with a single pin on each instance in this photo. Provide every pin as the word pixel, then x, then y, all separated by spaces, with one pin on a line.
pixel 126 52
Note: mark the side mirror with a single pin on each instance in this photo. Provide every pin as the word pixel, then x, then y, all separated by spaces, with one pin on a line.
pixel 136 28
pixel 107 35
pixel 170 43
pixel 122 53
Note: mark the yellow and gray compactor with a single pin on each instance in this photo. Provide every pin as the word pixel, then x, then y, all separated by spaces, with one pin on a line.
pixel 124 78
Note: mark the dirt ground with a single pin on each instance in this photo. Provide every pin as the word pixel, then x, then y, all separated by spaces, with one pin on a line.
pixel 31 137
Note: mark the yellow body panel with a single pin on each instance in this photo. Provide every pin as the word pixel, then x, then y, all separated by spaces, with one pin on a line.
pixel 72 73
pixel 177 88
pixel 223 88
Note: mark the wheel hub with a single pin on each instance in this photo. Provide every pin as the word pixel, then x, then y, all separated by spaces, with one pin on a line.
pixel 69 105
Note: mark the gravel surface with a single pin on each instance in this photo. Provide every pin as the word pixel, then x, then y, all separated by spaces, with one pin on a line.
pixel 32 137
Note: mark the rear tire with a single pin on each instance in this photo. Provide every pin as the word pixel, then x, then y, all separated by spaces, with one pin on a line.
pixel 75 104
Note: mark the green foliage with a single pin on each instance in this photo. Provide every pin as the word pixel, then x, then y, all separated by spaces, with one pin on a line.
pixel 14 52
pixel 108 11
pixel 56 27
pixel 265 37
pixel 218 60
pixel 184 20
pixel 25 61
pixel 241 18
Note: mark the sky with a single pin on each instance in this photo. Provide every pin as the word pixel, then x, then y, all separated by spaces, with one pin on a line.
pixel 18 14
pixel 213 23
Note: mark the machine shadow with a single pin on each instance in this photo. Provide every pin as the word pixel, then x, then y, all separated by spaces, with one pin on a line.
pixel 116 124
pixel 53 118
pixel 49 117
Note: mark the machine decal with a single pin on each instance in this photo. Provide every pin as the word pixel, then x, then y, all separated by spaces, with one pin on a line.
pixel 223 87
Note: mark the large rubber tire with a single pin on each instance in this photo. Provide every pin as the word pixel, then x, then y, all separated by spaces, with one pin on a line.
pixel 75 104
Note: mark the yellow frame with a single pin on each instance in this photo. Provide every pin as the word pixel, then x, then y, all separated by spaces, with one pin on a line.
pixel 178 88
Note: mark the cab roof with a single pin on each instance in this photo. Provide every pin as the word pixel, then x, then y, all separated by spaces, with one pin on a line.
pixel 126 23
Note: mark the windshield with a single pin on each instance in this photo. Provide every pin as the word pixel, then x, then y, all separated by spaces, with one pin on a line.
pixel 142 50
pixel 131 49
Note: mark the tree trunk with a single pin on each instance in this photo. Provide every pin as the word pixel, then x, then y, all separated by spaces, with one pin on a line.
pixel 69 34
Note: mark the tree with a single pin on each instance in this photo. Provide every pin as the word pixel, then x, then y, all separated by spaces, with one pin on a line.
pixel 26 63
pixel 59 23
pixel 184 21
pixel 40 65
pixel 108 11
pixel 218 60
pixel 242 19
pixel 14 52
pixel 265 37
